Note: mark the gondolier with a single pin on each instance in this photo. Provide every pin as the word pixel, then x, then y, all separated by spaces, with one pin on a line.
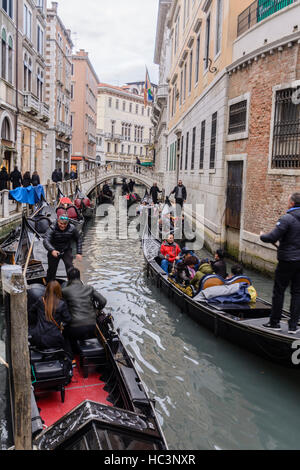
pixel 288 270
pixel 180 193
pixel 58 242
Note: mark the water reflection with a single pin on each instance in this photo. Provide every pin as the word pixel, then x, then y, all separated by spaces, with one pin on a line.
pixel 209 393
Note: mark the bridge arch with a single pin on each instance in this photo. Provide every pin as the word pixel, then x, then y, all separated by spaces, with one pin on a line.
pixel 92 178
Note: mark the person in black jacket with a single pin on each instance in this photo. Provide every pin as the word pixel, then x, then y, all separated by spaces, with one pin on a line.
pixel 55 176
pixel 4 178
pixel 180 193
pixel 81 301
pixel 287 232
pixel 58 242
pixel 16 178
pixel 60 175
pixel 52 316
pixel 219 266
pixel 26 179
pixel 154 193
pixel 35 179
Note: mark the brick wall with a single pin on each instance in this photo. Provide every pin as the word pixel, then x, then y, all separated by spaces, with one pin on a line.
pixel 266 194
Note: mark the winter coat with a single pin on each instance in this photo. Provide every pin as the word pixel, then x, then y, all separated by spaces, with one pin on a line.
pixel 204 270
pixel 170 251
pixel 16 179
pixel 3 179
pixel 45 334
pixel 154 192
pixel 176 191
pixel 61 240
pixel 219 268
pixel 55 176
pixel 80 300
pixel 287 233
pixel 35 180
pixel 26 181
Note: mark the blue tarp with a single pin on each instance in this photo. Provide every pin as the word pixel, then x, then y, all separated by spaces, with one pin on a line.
pixel 30 195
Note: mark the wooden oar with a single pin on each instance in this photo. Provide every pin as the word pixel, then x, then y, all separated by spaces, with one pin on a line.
pixel 2 361
pixel 28 257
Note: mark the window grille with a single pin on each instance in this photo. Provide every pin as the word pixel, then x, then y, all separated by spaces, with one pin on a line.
pixel 286 132
pixel 238 117
pixel 213 141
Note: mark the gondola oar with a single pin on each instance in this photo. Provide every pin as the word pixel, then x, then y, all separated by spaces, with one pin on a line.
pixel 28 257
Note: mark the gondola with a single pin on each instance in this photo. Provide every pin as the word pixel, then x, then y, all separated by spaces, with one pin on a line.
pixel 106 195
pixel 64 205
pixel 103 404
pixel 84 205
pixel 241 324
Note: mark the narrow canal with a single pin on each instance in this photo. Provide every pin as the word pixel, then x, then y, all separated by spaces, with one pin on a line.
pixel 209 393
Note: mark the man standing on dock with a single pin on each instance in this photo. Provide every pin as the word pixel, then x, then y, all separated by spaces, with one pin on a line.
pixel 58 242
pixel 287 232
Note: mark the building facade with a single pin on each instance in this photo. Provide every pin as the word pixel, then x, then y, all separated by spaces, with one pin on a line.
pixel 124 124
pixel 8 84
pixel 33 113
pixel 83 112
pixel 58 91
pixel 263 133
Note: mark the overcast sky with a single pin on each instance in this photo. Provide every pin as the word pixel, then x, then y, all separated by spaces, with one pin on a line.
pixel 118 34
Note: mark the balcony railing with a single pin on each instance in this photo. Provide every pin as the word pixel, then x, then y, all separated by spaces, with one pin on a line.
pixel 113 137
pixel 64 129
pixel 258 11
pixel 31 103
pixel 44 112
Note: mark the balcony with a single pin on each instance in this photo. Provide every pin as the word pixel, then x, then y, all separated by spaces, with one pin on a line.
pixel 64 130
pixel 258 11
pixel 113 137
pixel 31 103
pixel 44 112
pixel 162 92
pixel 92 139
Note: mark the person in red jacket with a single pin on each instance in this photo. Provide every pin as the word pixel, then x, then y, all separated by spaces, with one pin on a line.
pixel 169 253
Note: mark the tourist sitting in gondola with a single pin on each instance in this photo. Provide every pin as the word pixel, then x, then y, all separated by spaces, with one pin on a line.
pixel 184 271
pixel 83 302
pixel 205 269
pixel 236 270
pixel 219 264
pixel 51 317
pixel 58 242
pixel 169 253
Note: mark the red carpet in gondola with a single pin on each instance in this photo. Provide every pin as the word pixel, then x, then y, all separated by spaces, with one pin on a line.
pixel 80 389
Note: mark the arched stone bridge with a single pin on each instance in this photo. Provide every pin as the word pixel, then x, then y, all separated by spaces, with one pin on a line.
pixel 90 179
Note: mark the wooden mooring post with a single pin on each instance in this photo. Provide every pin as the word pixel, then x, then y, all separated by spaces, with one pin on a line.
pixel 14 286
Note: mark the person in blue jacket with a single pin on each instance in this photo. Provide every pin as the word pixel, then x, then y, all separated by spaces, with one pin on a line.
pixel 287 232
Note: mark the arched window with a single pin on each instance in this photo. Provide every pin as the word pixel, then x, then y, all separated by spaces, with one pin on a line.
pixel 4 54
pixel 10 59
pixel 5 130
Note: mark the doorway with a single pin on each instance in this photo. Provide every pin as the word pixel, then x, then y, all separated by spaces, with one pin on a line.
pixel 233 210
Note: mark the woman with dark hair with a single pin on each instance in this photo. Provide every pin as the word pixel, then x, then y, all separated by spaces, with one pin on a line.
pixel 27 179
pixel 35 179
pixel 52 315
pixel 219 265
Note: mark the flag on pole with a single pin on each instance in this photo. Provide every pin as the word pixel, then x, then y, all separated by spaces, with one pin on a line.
pixel 148 94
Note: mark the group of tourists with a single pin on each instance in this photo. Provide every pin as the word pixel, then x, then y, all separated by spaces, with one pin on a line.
pixel 57 175
pixel 68 313
pixel 17 180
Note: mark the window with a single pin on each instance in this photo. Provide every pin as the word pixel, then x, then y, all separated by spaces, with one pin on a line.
pixel 137 109
pixel 207 42
pixel 176 34
pixel 124 105
pixel 184 82
pixel 238 117
pixel 286 131
pixel 109 102
pixel 116 148
pixel 108 147
pixel 27 73
pixel 202 145
pixel 129 149
pixel 7 6
pixel 130 108
pixel 219 26
pixel 40 84
pixel 193 149
pixel 4 54
pixel 5 131
pixel 117 104
pixel 186 151
pixel 181 153
pixel 40 40
pixel 181 87
pixel 191 71
pixel 213 141
pixel 27 22
pixel 10 60
pixel 197 59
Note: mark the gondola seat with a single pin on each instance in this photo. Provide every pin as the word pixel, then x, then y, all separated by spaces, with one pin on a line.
pixel 211 280
pixel 42 225
pixel 50 370
pixel 238 280
pixel 91 353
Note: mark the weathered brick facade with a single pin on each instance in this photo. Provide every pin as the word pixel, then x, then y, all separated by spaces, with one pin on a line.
pixel 265 191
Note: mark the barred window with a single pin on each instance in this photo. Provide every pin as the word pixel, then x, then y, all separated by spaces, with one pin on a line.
pixel 193 149
pixel 238 117
pixel 286 132
pixel 202 146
